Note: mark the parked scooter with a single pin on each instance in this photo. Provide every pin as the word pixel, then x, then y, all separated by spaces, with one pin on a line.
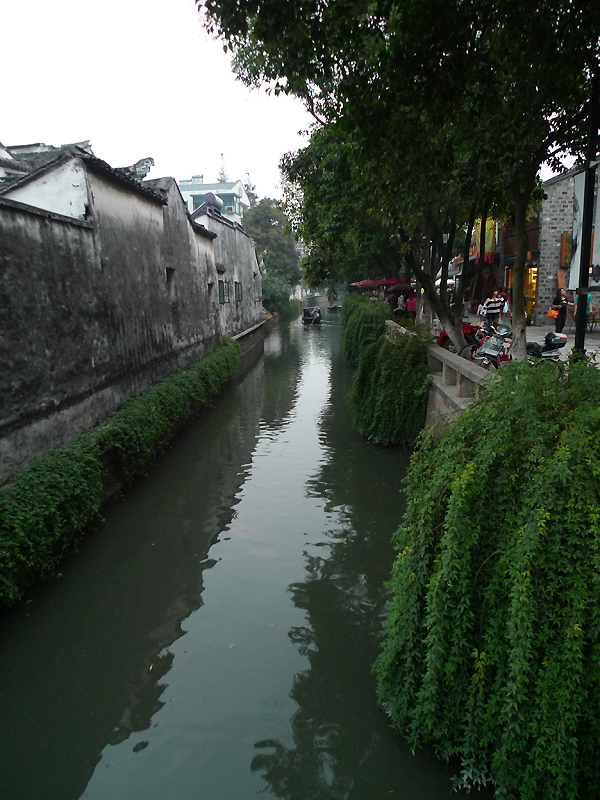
pixel 540 351
pixel 491 347
pixel 548 349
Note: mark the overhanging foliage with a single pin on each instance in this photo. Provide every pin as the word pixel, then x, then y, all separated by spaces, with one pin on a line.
pixel 492 646
pixel 389 390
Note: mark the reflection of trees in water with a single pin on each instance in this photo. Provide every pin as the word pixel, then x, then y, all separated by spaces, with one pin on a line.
pixel 338 731
pixel 281 376
pixel 342 746
pixel 329 728
pixel 363 478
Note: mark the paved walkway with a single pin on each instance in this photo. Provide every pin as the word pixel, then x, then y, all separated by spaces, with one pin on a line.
pixel 537 333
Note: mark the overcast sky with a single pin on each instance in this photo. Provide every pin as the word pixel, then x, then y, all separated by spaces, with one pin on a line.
pixel 139 78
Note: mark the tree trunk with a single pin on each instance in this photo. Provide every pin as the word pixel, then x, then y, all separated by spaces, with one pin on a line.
pixel 434 304
pixel 518 286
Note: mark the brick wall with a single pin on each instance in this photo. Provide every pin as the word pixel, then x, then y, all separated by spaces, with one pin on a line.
pixel 556 217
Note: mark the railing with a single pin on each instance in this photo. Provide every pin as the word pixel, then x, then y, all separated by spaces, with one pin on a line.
pixel 454 382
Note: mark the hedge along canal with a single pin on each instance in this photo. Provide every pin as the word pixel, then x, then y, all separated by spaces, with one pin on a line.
pixel 214 637
pixel 45 507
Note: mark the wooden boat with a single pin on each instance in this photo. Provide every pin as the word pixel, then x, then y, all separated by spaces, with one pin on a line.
pixel 311 315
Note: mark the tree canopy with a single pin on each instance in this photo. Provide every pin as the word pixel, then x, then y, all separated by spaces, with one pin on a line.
pixel 267 224
pixel 347 237
pixel 276 250
pixel 465 100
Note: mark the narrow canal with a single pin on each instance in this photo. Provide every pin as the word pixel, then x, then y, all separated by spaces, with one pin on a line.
pixel 213 638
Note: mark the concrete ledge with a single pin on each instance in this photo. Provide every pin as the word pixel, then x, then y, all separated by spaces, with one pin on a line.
pixel 251 337
pixel 438 357
pixel 454 382
pixel 394 332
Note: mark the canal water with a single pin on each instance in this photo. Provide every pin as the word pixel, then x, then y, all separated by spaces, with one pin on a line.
pixel 213 637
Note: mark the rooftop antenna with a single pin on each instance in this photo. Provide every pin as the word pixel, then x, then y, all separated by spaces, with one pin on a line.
pixel 222 174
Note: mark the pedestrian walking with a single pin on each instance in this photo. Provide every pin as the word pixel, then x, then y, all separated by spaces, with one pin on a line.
pixel 560 303
pixel 492 307
pixel 505 312
pixel 481 313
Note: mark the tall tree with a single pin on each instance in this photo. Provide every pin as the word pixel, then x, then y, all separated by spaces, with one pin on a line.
pixel 250 188
pixel 267 224
pixel 346 239
pixel 506 81
pixel 222 176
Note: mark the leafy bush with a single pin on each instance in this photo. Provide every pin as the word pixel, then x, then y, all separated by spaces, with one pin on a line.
pixel 363 323
pixel 45 506
pixel 276 292
pixel 144 424
pixel 492 645
pixel 42 509
pixel 390 390
pixel 292 310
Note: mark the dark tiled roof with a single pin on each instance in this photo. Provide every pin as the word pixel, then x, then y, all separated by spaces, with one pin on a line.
pixel 62 155
pixel 21 180
pixel 102 168
pixel 160 183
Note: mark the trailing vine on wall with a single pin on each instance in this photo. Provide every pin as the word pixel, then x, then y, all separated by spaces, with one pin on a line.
pixel 363 323
pixel 491 651
pixel 389 390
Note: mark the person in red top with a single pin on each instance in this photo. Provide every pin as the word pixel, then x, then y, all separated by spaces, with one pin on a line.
pixel 411 306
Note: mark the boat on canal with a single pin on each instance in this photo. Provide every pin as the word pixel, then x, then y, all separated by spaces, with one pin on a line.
pixel 311 315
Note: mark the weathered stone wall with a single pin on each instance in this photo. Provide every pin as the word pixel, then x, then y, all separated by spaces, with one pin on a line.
pixel 235 259
pixel 556 217
pixel 93 312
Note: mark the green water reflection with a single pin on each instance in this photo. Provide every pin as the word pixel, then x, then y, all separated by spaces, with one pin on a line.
pixel 213 639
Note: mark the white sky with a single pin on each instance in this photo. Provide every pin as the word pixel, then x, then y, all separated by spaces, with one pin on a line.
pixel 139 78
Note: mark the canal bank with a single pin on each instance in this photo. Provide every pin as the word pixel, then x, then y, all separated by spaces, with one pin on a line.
pixel 214 638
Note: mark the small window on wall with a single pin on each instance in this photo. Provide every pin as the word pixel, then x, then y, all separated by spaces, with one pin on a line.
pixel 238 292
pixel 223 292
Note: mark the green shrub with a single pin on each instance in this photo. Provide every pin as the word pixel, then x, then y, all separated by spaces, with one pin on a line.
pixel 145 423
pixel 390 390
pixel 363 323
pixel 45 506
pixel 42 509
pixel 276 290
pixel 291 310
pixel 492 645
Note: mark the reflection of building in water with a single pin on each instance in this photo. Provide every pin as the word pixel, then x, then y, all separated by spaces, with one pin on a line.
pixel 121 605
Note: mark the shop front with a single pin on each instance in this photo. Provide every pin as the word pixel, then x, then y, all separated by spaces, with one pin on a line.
pixel 531 283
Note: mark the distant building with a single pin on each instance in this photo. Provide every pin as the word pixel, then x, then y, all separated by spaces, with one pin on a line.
pixel 234 197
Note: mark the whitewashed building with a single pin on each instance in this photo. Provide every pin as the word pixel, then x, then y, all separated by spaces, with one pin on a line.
pixel 234 197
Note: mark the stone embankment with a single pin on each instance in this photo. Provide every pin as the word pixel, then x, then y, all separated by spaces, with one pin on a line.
pixel 454 380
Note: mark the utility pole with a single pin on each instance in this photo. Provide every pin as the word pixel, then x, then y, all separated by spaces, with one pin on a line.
pixel 588 213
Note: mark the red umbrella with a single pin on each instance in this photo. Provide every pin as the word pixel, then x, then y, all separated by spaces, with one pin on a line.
pixel 401 288
pixel 368 284
pixel 371 284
